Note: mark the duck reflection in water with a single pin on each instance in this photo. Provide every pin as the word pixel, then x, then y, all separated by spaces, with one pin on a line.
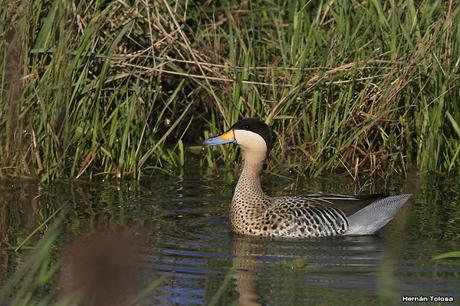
pixel 315 263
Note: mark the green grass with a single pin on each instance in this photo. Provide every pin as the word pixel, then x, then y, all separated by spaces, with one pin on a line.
pixel 28 282
pixel 448 255
pixel 96 88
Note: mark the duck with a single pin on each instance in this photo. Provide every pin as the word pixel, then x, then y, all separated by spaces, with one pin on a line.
pixel 255 213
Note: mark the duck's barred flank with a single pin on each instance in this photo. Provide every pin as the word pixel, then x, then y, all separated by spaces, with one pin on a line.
pixel 255 213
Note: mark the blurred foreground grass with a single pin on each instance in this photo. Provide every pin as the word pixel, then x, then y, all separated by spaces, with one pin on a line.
pixel 121 88
pixel 99 269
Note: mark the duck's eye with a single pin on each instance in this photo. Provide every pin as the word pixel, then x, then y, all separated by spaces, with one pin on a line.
pixel 245 127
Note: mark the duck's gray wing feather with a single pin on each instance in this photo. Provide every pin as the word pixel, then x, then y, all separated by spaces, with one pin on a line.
pixel 373 217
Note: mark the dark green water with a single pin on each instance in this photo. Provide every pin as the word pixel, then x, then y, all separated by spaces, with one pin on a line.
pixel 180 228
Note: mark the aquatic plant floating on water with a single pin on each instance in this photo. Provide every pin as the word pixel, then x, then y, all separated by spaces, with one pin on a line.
pixel 255 213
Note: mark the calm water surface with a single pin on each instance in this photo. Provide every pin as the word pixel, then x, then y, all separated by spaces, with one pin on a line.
pixel 181 226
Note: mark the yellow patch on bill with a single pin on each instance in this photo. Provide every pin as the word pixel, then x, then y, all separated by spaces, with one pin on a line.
pixel 229 135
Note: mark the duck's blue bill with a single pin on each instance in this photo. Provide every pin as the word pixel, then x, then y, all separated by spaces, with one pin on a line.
pixel 227 137
pixel 216 141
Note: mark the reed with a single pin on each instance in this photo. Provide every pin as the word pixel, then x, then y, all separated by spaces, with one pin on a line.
pixel 95 88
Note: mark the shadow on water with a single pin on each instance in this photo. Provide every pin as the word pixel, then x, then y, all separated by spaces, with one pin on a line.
pixel 167 241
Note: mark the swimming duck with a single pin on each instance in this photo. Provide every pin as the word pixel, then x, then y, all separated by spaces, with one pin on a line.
pixel 255 213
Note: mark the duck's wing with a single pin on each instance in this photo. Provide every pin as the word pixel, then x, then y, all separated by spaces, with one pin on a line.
pixel 308 216
pixel 299 217
pixel 346 203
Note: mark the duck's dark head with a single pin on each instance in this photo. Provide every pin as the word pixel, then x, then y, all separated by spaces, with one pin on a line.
pixel 251 134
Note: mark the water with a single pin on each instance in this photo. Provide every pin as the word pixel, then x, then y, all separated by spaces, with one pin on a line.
pixel 182 237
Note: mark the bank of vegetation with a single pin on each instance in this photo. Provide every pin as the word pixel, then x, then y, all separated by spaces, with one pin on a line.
pixel 122 88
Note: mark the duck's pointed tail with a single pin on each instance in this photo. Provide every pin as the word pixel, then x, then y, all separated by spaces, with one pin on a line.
pixel 373 217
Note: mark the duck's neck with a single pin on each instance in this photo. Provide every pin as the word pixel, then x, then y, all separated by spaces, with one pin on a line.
pixel 248 194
